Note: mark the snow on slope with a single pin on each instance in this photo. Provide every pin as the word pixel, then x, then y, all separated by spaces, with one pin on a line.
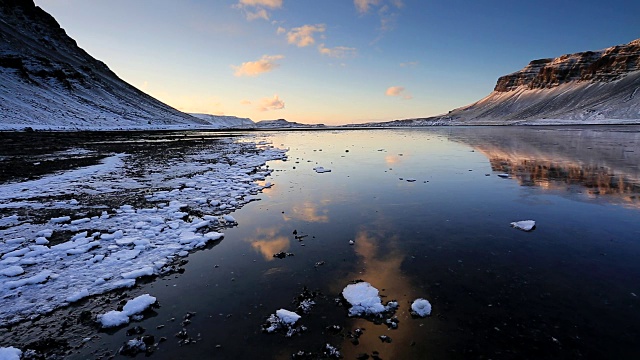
pixel 226 122
pixel 47 81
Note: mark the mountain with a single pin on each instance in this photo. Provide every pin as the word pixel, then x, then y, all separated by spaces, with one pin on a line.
pixel 226 121
pixel 282 123
pixel 592 87
pixel 47 81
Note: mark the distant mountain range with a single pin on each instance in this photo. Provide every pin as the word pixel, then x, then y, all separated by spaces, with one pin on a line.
pixel 592 87
pixel 48 82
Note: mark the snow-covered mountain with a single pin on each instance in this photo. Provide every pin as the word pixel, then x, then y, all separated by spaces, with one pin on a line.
pixel 47 81
pixel 592 87
pixel 282 123
pixel 226 121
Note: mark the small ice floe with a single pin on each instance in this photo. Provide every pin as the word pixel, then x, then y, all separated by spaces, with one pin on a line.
pixel 10 353
pixel 283 319
pixel 320 169
pixel 421 307
pixel 133 307
pixel 61 219
pixel 504 176
pixel 364 299
pixel 411 180
pixel 351 242
pixel 229 219
pixel 525 225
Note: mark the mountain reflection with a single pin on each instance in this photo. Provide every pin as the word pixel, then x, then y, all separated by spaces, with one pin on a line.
pixel 600 162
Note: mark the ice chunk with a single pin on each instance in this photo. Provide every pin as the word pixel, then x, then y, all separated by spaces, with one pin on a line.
pixel 526 225
pixel 213 235
pixel 320 169
pixel 229 218
pixel 10 353
pixel 12 271
pixel 504 176
pixel 15 241
pixel 60 219
pixel 363 298
pixel 139 304
pixel 287 317
pixel 113 319
pixel 421 307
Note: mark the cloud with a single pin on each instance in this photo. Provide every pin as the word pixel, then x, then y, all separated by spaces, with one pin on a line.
pixel 385 10
pixel 363 5
pixel 303 36
pixel 281 30
pixel 273 4
pixel 274 103
pixel 337 52
pixel 255 68
pixel 398 91
pixel 245 102
pixel 257 9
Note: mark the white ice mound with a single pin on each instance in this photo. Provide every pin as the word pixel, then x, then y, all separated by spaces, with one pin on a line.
pixel 421 307
pixel 10 353
pixel 526 225
pixel 287 317
pixel 132 307
pixel 283 319
pixel 320 169
pixel 364 299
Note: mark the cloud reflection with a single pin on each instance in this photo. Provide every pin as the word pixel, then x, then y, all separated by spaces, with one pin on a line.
pixel 309 212
pixel 268 242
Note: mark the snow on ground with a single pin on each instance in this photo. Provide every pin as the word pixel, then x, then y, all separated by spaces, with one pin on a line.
pixel 10 353
pixel 526 225
pixel 187 201
pixel 364 299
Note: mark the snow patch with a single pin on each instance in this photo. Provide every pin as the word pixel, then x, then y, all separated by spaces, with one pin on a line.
pixel 421 307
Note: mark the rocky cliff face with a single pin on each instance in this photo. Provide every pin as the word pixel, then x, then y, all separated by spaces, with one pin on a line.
pixel 47 80
pixel 596 66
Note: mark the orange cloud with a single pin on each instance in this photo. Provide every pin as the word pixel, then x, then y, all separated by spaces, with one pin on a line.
pixel 273 4
pixel 274 103
pixel 267 242
pixel 337 52
pixel 397 91
pixel 258 6
pixel 303 36
pixel 363 5
pixel 255 68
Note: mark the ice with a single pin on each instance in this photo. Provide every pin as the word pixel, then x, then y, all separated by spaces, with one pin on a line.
pixel 78 296
pixel 133 307
pixel 145 271
pixel 12 271
pixel 113 318
pixel 525 225
pixel 127 242
pixel 364 299
pixel 320 169
pixel 287 317
pixel 10 353
pixel 421 307
pixel 139 304
pixel 60 219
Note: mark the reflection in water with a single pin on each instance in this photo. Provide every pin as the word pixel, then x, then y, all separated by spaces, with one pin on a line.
pixel 602 160
pixel 308 211
pixel 268 242
pixel 380 264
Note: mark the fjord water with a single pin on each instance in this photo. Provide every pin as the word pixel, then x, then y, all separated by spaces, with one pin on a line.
pixel 567 289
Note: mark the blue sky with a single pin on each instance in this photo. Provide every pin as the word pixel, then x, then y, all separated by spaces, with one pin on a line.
pixel 333 61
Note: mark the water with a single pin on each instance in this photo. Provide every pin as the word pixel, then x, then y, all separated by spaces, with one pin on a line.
pixel 568 289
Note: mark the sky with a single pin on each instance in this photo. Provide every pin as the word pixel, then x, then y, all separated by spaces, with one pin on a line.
pixel 333 61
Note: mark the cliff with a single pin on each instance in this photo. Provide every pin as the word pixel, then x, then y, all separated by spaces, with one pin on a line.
pixel 47 81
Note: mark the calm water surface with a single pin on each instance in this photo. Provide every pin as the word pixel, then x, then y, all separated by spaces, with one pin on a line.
pixel 568 289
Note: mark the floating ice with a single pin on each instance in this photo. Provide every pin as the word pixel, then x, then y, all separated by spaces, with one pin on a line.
pixel 320 169
pixel 364 299
pixel 283 319
pixel 10 353
pixel 526 225
pixel 421 307
pixel 504 176
pixel 113 318
pixel 287 317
